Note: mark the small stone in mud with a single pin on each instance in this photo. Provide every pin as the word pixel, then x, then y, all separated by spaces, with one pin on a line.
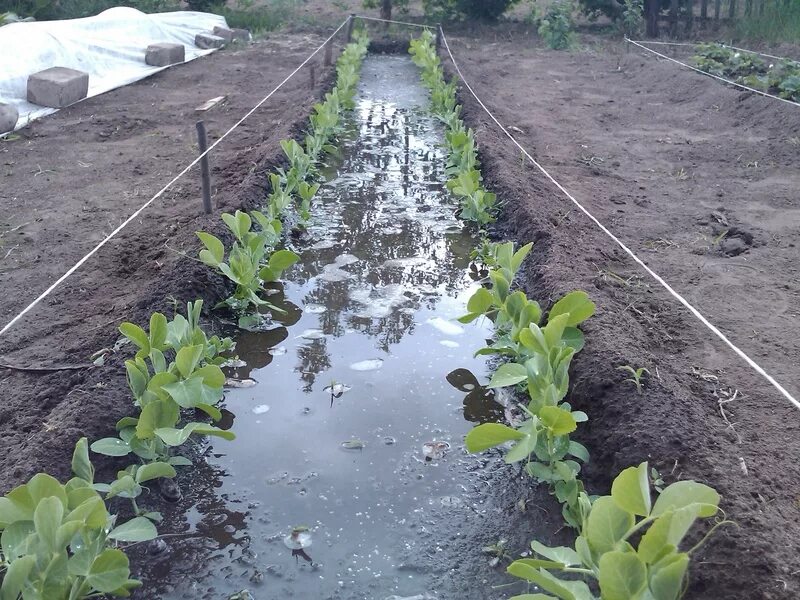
pixel 169 489
pixel 157 547
pixel 256 577
pixel 389 440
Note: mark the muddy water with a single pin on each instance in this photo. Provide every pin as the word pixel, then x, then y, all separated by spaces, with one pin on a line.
pixel 353 428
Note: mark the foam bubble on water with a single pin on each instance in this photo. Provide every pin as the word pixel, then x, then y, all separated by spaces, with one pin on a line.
pixel 367 365
pixel 445 326
pixel 314 309
pixel 260 409
pixel 311 334
pixel 449 343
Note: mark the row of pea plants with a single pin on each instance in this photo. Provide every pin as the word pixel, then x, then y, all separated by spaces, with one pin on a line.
pixel 253 260
pixel 59 541
pixel 627 546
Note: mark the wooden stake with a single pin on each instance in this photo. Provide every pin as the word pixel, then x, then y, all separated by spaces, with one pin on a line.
pixel 350 25
pixel 205 174
pixel 312 72
pixel 438 36
pixel 329 54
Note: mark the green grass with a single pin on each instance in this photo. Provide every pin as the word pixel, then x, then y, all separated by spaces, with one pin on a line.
pixel 268 16
pixel 780 22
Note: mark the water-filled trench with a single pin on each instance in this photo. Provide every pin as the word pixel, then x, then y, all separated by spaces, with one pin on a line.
pixel 354 426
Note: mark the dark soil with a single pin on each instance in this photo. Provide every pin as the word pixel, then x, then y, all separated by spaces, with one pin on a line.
pixel 72 178
pixel 669 160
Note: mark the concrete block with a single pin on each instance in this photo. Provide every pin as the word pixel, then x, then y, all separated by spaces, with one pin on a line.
pixel 232 35
pixel 163 55
pixel 241 35
pixel 206 41
pixel 8 118
pixel 57 87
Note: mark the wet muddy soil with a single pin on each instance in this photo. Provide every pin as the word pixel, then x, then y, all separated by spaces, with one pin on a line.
pixel 701 181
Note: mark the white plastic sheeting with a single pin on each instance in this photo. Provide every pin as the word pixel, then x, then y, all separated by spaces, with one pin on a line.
pixel 110 47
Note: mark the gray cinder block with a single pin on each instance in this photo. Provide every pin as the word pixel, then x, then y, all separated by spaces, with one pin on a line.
pixel 207 41
pixel 223 32
pixel 241 35
pixel 8 118
pixel 164 54
pixel 232 35
pixel 57 87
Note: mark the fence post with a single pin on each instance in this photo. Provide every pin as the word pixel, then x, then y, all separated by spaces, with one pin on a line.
pixel 205 175
pixel 312 74
pixel 350 25
pixel 329 53
pixel 438 37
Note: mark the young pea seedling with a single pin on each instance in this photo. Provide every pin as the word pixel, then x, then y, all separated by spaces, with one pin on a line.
pixel 636 375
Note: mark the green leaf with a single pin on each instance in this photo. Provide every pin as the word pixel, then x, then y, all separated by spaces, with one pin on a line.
pixel 578 450
pixel 531 597
pixel 508 374
pixel 684 493
pixel 558 420
pixel 480 302
pixel 525 446
pixel 667 531
pixel 136 334
pixel 155 415
pixel 489 435
pixel 573 337
pixel 43 486
pixel 47 519
pixel 109 571
pixel 666 583
pixel 533 339
pixel 519 256
pixel 16 577
pixel 154 470
pixel 560 554
pixel 541 578
pixel 17 539
pixel 537 563
pixel 158 331
pixel 176 437
pixel 281 260
pixel 631 490
pixel 111 447
pixel 215 250
pixel 81 465
pixel 124 486
pixel 576 304
pixel 180 461
pixel 187 359
pixel 623 575
pixel 606 525
pixel 554 330
pixel 138 529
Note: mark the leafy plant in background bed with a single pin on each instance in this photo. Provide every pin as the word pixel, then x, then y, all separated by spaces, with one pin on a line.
pixel 556 26
pixel 781 79
pixel 449 10
pixel 632 21
pixel 477 204
pixel 190 378
pixel 629 545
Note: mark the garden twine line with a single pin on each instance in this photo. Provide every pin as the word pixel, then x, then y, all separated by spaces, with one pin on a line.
pixel 755 366
pixel 158 194
pixel 657 43
pixel 728 81
pixel 366 18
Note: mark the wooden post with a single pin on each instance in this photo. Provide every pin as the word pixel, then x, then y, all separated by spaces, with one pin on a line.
pixel 651 9
pixel 673 17
pixel 438 37
pixel 205 175
pixel 350 25
pixel 312 73
pixel 329 53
